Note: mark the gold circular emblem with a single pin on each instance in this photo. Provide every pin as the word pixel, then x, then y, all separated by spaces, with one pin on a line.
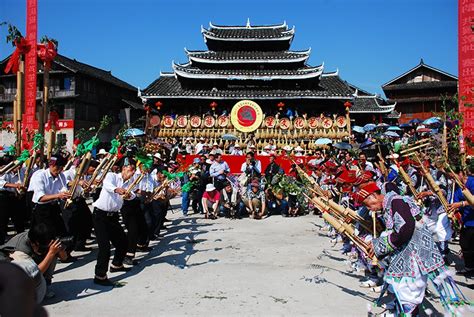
pixel 246 116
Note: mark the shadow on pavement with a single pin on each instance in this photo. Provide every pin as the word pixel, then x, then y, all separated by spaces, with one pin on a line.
pixel 74 289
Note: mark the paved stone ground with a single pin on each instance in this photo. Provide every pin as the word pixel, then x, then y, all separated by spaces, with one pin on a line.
pixel 276 266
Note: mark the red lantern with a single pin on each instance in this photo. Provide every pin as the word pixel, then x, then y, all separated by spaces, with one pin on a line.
pixel 280 105
pixel 213 105
pixel 347 105
pixel 158 105
pixel 147 108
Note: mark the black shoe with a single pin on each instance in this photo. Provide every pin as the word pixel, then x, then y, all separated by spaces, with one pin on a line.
pixel 166 220
pixel 130 262
pixel 103 282
pixel 145 248
pixel 119 269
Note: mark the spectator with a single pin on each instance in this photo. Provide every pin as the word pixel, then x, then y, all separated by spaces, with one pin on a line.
pixel 231 204
pixel 218 171
pixel 210 201
pixel 255 201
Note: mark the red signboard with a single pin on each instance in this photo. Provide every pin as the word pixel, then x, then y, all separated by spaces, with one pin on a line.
pixel 466 65
pixel 235 161
pixel 30 66
pixel 62 124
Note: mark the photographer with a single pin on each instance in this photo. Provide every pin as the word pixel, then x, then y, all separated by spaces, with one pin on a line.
pixel 231 204
pixel 39 245
pixel 252 167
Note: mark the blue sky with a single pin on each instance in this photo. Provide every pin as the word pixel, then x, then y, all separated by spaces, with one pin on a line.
pixel 369 41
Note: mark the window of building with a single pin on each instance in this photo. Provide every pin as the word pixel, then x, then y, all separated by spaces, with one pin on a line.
pixel 7 114
pixel 67 83
pixel 69 111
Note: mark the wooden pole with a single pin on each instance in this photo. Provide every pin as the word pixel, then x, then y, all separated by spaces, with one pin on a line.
pixel 348 119
pixel 18 105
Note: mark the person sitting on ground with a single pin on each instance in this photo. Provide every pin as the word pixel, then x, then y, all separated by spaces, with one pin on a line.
pixel 231 204
pixel 255 201
pixel 40 245
pixel 210 201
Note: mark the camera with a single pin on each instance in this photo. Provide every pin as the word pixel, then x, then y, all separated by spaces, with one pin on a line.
pixel 67 242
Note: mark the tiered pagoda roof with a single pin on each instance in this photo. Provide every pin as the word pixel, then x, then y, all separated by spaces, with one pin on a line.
pixel 255 62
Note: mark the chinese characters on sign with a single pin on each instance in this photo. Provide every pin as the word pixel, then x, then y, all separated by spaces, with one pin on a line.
pixel 466 65
pixel 30 67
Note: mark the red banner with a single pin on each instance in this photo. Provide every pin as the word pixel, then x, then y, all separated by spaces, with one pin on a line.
pixel 235 161
pixel 466 65
pixel 62 124
pixel 30 66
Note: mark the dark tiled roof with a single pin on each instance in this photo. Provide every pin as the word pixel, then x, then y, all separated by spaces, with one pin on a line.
pixel 169 87
pixel 91 71
pixel 230 56
pixel 370 104
pixel 253 32
pixel 422 85
pixel 188 69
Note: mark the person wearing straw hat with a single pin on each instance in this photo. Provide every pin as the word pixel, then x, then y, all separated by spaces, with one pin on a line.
pixel 237 150
pixel 210 201
pixel 266 150
pixel 101 154
pixel 299 151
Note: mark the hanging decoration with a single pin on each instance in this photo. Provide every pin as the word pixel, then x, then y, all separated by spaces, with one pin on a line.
pixel 213 105
pixel 280 105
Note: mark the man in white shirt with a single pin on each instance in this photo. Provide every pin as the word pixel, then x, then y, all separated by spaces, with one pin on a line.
pixel 199 146
pixel 266 150
pixel 251 167
pixel 50 186
pixel 106 222
pixel 218 171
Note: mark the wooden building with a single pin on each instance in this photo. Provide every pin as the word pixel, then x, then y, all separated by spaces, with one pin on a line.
pixel 81 94
pixel 420 91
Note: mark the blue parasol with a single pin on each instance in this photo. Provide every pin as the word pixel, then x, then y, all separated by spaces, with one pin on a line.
pixel 369 127
pixel 391 134
pixel 358 129
pixel 229 137
pixel 323 141
pixel 342 146
pixel 415 121
pixel 394 128
pixel 134 132
pixel 367 143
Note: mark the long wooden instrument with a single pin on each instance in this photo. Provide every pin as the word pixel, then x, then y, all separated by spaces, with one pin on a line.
pixel 407 180
pixel 106 169
pixel 348 231
pixel 382 167
pixel 132 185
pixel 27 176
pixel 432 183
pixel 10 167
pixel 97 171
pixel 465 191
pixel 81 170
pixel 157 191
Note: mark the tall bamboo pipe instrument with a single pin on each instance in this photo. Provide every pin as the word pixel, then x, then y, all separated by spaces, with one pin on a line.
pixel 132 186
pixel 82 169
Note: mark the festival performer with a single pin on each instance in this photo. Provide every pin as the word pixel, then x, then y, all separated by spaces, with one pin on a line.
pixel 414 255
pixel 11 202
pixel 77 217
pixel 50 186
pixel 132 213
pixel 106 221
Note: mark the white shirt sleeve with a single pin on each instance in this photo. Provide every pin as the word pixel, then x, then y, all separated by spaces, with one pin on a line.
pixel 109 183
pixel 39 188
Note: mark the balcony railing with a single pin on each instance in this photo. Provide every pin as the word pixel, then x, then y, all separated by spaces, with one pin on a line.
pixel 39 95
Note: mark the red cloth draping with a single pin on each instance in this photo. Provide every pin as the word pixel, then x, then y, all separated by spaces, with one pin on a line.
pixel 22 48
pixel 47 52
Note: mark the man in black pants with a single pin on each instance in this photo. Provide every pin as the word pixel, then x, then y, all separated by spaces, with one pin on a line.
pixel 77 217
pixel 106 222
pixel 50 186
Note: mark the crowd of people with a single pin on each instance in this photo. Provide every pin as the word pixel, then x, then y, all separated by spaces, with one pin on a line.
pixel 65 203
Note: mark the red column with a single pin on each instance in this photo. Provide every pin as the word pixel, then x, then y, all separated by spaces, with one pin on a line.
pixel 30 67
pixel 466 65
